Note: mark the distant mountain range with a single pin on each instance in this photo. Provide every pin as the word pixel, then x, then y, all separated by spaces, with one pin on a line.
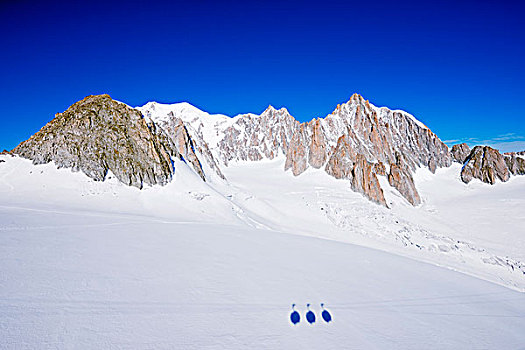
pixel 357 142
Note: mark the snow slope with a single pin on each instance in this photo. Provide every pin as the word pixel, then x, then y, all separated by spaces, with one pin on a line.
pixel 196 265
pixel 475 228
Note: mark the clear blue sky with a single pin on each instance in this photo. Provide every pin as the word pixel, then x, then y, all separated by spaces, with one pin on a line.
pixel 457 66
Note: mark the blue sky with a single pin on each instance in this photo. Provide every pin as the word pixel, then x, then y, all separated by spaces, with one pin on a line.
pixel 457 66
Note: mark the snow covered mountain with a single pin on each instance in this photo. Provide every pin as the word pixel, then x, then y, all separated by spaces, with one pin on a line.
pixel 357 142
pixel 181 228
pixel 376 152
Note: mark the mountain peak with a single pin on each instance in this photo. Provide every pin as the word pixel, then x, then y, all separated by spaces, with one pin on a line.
pixel 270 109
pixel 97 135
pixel 356 98
pixel 92 99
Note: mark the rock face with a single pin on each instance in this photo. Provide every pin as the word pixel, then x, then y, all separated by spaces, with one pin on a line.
pixel 365 181
pixel 485 163
pixel 253 137
pixel 189 141
pixel 460 152
pixel 515 162
pixel 401 178
pixel 317 150
pixel 97 135
pixel 345 163
pixel 178 133
pixel 372 137
pixel 357 142
pixel 297 153
pixel 377 134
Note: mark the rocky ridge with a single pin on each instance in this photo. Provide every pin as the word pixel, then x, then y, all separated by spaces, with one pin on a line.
pixel 358 142
pixel 515 162
pixel 97 135
pixel 487 164
pixel 460 152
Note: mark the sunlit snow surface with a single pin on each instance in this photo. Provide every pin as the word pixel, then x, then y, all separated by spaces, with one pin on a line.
pixel 217 265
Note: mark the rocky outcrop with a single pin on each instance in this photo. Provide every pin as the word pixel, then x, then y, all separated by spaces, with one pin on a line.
pixel 515 162
pixel 345 163
pixel 401 178
pixel 342 160
pixel 377 134
pixel 357 142
pixel 460 152
pixel 178 133
pixel 190 141
pixel 296 154
pixel 365 181
pixel 317 149
pixel 486 164
pixel 202 148
pixel 4 152
pixel 98 135
pixel 255 137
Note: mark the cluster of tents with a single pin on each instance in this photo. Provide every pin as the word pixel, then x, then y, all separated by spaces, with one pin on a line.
pixel 295 317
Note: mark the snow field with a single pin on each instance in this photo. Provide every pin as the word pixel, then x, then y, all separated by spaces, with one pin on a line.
pixel 217 265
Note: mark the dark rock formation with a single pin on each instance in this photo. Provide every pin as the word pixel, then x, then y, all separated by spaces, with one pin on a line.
pixel 345 163
pixel 178 133
pixel 297 153
pixel 254 137
pixel 357 142
pixel 486 164
pixel 460 152
pixel 317 150
pixel 515 162
pixel 401 178
pixel 365 181
pixel 97 135
pixel 376 134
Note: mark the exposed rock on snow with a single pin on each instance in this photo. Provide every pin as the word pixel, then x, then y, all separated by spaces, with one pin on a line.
pixel 460 152
pixel 365 181
pixel 376 134
pixel 179 134
pixel 345 163
pixel 97 135
pixel 189 141
pixel 485 163
pixel 515 162
pixel 318 146
pixel 297 153
pixel 401 178
pixel 252 137
pixel 341 162
pixel 357 142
